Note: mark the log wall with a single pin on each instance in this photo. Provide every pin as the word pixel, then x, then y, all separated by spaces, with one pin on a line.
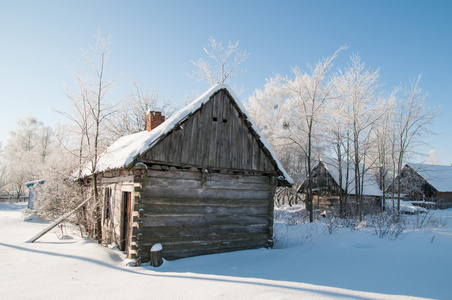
pixel 195 213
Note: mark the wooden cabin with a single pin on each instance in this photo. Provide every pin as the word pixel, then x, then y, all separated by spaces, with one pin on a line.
pixel 201 182
pixel 326 188
pixel 424 182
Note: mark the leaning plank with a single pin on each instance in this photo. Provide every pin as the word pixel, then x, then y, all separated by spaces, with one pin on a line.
pixel 58 221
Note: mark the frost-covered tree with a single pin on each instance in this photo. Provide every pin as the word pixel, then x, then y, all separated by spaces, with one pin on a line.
pixel 359 87
pixel 268 110
pixel 411 125
pixel 90 109
pixel 291 110
pixel 225 63
pixel 25 154
pixel 338 137
pixel 307 95
pixel 383 147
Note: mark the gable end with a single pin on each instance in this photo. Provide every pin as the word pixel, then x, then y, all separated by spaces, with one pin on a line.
pixel 217 135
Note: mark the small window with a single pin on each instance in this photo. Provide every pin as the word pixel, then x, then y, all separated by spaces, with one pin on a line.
pixel 225 121
pixel 215 119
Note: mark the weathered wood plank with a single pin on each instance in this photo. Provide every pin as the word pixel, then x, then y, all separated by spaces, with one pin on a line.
pixel 159 151
pixel 261 160
pixel 117 179
pixel 223 142
pixel 177 241
pixel 235 145
pixel 170 147
pixel 180 133
pixel 255 152
pixel 201 220
pixel 201 231
pixel 193 135
pixel 196 184
pixel 164 148
pixel 144 203
pixel 213 134
pixel 186 146
pixel 219 127
pixel 237 178
pixel 56 222
pixel 173 174
pixel 236 185
pixel 204 138
pixel 250 163
pixel 173 182
pixel 210 176
pixel 175 146
pixel 216 210
pixel 152 153
pixel 173 192
pixel 244 141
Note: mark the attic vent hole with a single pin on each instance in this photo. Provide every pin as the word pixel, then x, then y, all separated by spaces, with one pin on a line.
pixel 225 121
pixel 215 119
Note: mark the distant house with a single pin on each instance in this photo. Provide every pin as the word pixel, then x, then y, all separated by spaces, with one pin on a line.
pixel 423 182
pixel 325 185
pixel 201 182
pixel 33 187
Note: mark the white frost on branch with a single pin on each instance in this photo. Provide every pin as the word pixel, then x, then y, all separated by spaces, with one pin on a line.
pixel 226 62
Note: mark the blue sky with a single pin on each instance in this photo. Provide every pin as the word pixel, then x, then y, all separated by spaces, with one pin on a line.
pixel 154 42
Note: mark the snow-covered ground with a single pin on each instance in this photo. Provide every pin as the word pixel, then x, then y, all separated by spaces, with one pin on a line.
pixel 309 263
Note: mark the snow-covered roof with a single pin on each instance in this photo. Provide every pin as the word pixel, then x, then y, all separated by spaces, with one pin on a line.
pixel 123 152
pixel 440 177
pixel 370 185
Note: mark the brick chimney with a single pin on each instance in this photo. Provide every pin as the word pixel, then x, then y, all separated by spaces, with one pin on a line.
pixel 154 118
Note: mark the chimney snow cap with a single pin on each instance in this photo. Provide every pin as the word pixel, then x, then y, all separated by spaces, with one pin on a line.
pixel 156 109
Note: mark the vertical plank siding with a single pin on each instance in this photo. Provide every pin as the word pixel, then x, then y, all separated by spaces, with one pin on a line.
pixel 188 217
pixel 214 136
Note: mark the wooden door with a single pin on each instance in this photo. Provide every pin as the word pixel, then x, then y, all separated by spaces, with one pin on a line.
pixel 125 230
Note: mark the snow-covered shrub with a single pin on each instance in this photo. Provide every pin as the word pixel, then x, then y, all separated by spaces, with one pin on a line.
pixel 59 194
pixel 387 223
pixel 332 224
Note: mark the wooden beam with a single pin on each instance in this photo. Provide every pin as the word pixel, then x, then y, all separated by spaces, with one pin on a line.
pixel 58 221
